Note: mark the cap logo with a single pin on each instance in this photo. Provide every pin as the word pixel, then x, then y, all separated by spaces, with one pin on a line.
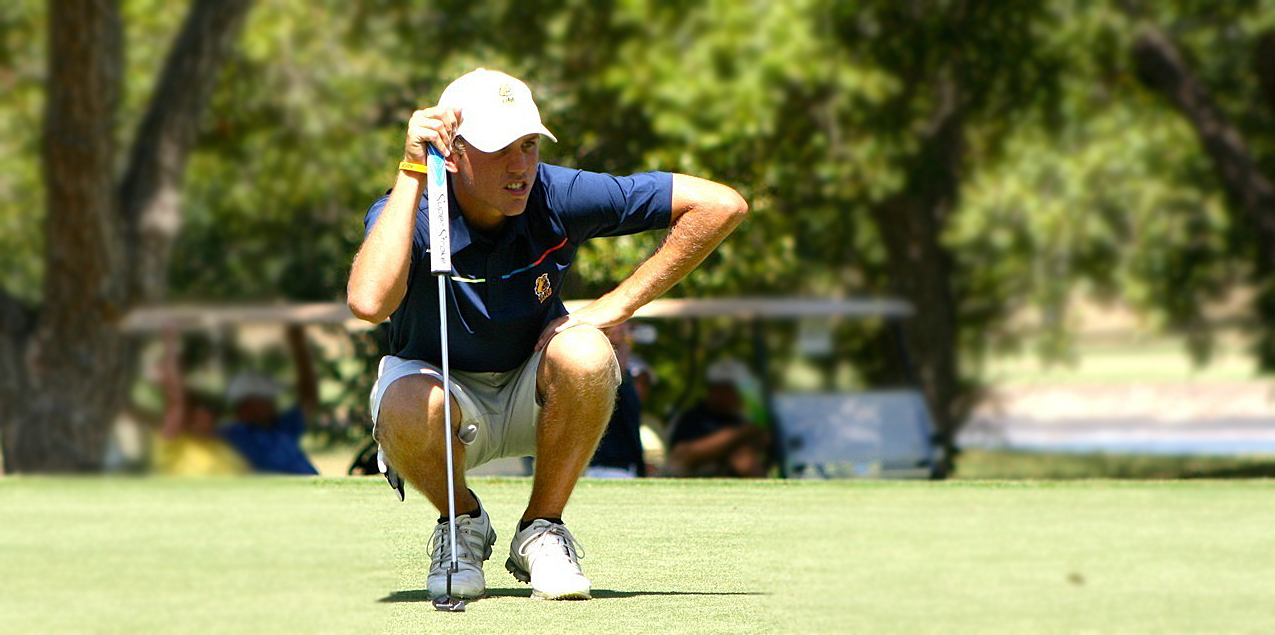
pixel 506 93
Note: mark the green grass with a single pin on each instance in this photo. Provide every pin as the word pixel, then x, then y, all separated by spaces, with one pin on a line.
pixel 344 556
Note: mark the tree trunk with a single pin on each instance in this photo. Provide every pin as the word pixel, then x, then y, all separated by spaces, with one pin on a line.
pixel 1264 67
pixel 15 327
pixel 1251 193
pixel 53 422
pixel 67 367
pixel 911 224
pixel 1160 67
pixel 150 194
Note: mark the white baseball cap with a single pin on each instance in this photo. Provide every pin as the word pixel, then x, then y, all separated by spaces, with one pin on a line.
pixel 496 109
pixel 249 384
pixel 729 371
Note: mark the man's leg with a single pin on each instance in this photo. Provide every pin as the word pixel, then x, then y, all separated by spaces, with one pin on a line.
pixel 409 428
pixel 577 381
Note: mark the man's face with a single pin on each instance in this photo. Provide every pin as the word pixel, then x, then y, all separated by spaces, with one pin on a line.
pixel 642 384
pixel 200 421
pixel 257 411
pixel 723 398
pixel 492 186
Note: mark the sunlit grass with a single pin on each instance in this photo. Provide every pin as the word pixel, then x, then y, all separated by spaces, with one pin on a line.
pixel 276 555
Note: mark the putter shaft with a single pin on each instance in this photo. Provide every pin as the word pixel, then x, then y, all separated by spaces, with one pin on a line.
pixel 440 265
pixel 447 430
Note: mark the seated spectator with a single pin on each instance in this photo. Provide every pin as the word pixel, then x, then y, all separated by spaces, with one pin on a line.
pixel 619 453
pixel 715 437
pixel 185 443
pixel 269 439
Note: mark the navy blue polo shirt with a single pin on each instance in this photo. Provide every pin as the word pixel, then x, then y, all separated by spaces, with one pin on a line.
pixel 504 286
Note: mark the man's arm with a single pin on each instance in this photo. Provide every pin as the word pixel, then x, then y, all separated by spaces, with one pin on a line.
pixel 704 213
pixel 303 363
pixel 688 455
pixel 378 279
pixel 170 378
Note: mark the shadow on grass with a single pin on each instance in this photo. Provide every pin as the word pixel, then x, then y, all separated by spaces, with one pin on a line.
pixel 1013 465
pixel 421 595
pixel 1258 470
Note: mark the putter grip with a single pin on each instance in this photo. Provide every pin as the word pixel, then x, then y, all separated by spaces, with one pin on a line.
pixel 440 241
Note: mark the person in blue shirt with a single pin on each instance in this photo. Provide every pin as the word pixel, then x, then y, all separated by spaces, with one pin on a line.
pixel 267 438
pixel 619 453
pixel 529 379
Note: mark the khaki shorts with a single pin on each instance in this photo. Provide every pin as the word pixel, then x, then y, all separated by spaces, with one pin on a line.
pixel 498 410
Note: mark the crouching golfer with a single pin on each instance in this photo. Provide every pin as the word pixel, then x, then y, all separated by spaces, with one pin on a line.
pixel 528 379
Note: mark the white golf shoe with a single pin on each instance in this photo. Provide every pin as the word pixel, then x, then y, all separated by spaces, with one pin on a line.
pixel 547 555
pixel 474 538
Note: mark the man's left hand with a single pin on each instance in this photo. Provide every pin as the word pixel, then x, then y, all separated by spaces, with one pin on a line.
pixel 601 313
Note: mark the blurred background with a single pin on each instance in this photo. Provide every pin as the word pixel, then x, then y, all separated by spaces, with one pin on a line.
pixel 1077 199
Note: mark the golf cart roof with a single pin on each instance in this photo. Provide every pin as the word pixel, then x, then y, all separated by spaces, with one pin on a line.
pixel 213 316
pixel 769 308
pixel 197 316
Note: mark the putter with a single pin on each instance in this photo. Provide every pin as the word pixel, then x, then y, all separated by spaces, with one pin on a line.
pixel 441 266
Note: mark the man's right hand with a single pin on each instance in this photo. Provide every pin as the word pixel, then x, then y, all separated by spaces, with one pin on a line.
pixel 435 126
pixel 378 278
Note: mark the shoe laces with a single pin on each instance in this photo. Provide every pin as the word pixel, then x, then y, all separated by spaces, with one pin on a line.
pixel 468 541
pixel 554 533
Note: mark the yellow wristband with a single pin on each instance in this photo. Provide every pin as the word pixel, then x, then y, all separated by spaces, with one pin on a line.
pixel 413 167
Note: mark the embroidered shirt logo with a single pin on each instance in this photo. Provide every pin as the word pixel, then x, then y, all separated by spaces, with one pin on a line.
pixel 543 289
pixel 506 93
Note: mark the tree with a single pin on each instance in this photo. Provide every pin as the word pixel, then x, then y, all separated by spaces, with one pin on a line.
pixel 980 159
pixel 66 364
pixel 1248 184
pixel 965 68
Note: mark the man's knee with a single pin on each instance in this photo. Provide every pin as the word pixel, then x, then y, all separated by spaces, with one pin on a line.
pixel 581 353
pixel 411 404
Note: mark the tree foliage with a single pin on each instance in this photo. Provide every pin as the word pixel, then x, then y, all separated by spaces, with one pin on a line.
pixel 986 161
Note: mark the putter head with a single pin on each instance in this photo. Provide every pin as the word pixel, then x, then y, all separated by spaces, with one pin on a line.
pixel 449 604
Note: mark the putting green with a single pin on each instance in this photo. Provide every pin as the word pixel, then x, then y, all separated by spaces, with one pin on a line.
pixel 274 555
